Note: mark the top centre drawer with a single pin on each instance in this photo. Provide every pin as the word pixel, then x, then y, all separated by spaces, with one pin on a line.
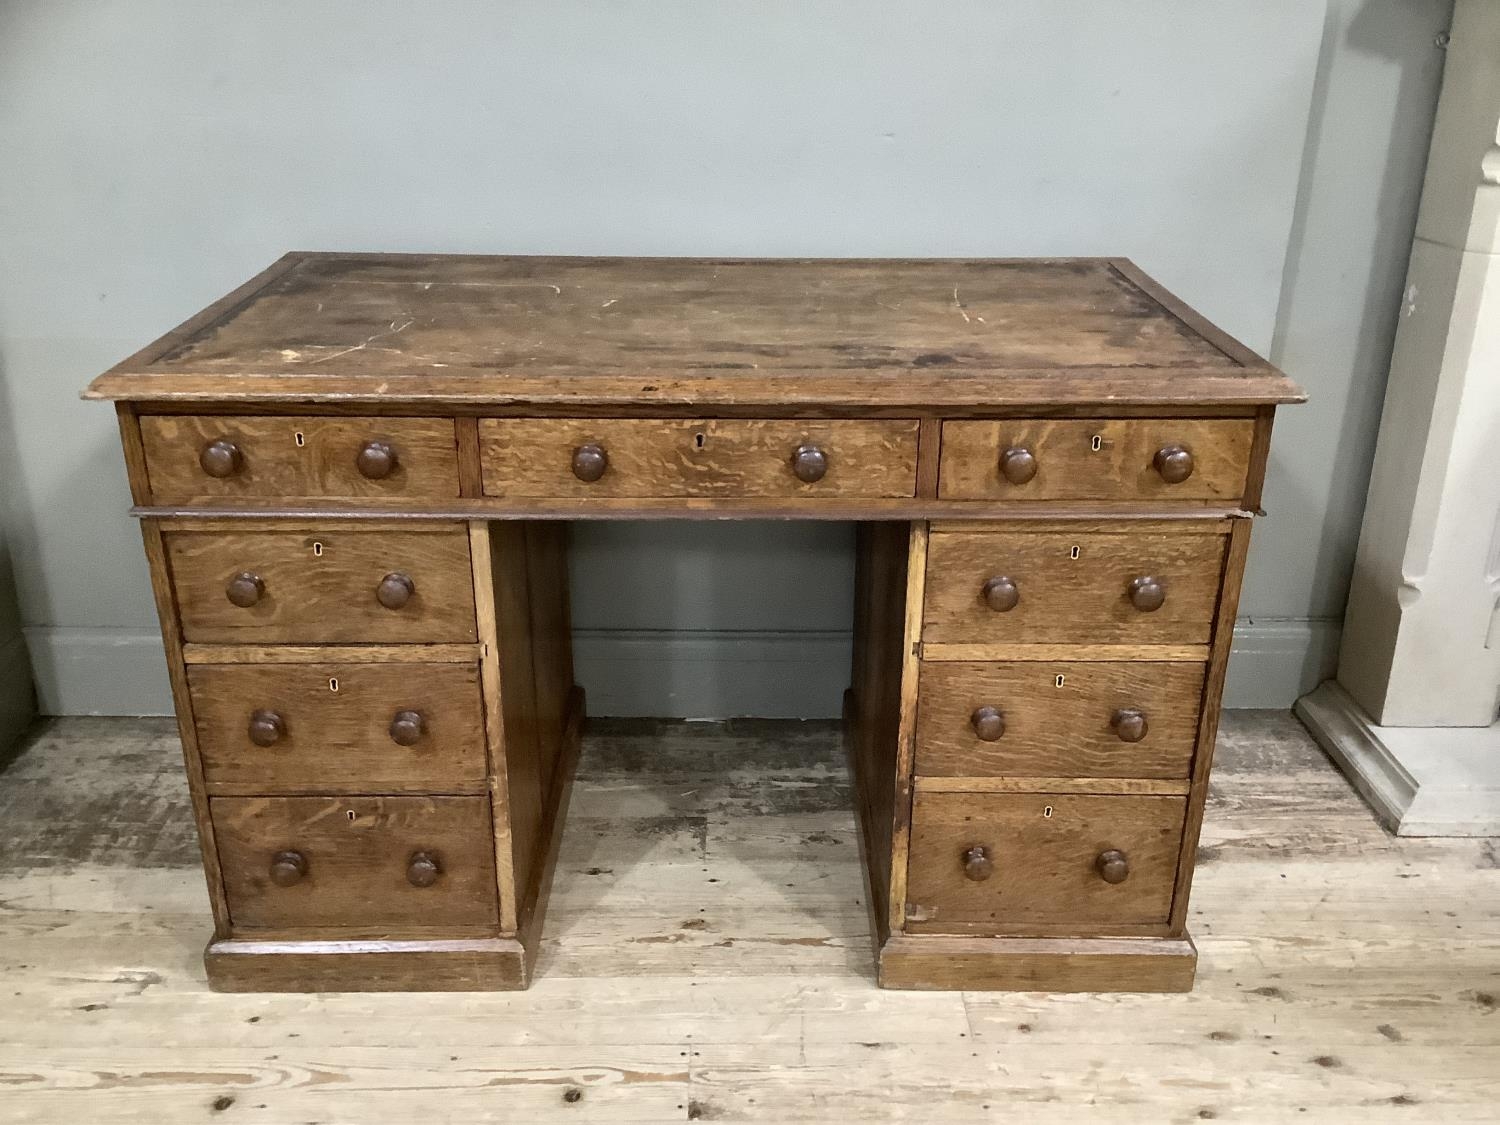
pixel 797 458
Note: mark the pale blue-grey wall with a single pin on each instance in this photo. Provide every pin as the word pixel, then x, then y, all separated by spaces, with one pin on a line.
pixel 1261 158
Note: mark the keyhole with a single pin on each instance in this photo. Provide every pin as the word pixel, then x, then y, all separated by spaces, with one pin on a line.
pixel 350 814
pixel 1096 442
pixel 318 549
pixel 333 683
pixel 1046 812
pixel 1061 679
pixel 300 439
pixel 698 440
pixel 1073 552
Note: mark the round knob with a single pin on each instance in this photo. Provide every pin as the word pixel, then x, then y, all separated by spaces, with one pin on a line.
pixel 422 869
pixel 221 458
pixel 809 463
pixel 376 460
pixel 589 462
pixel 288 868
pixel 1147 594
pixel 245 589
pixel 977 863
pixel 1018 464
pixel 395 590
pixel 267 728
pixel 407 728
pixel 1112 866
pixel 1000 594
pixel 988 723
pixel 1129 724
pixel 1174 463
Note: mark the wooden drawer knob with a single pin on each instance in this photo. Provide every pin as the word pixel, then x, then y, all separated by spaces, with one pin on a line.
pixel 395 590
pixel 267 728
pixel 1174 463
pixel 245 589
pixel 422 870
pixel 288 868
pixel 1018 464
pixel 589 462
pixel 977 863
pixel 1129 724
pixel 407 728
pixel 1147 594
pixel 376 460
pixel 1112 866
pixel 988 723
pixel 221 458
pixel 1000 594
pixel 809 463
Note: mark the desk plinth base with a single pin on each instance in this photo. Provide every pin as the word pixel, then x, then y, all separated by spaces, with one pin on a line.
pixel 456 965
pixel 1038 964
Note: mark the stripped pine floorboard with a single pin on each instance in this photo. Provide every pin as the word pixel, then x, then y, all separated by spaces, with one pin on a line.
pixel 706 957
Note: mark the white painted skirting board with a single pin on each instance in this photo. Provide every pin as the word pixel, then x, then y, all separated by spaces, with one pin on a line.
pixel 1421 781
pixel 695 674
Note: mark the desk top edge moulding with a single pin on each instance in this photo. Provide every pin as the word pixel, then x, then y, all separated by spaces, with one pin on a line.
pixel 355 475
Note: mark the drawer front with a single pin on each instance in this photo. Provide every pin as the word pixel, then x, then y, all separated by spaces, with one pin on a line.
pixel 206 459
pixel 803 459
pixel 1053 587
pixel 1010 860
pixel 1150 459
pixel 1043 719
pixel 356 862
pixel 333 586
pixel 278 728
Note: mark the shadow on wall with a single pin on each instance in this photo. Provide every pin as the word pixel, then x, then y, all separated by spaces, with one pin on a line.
pixel 17 696
pixel 1398 34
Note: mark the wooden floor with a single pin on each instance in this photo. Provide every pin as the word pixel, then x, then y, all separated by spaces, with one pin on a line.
pixel 706 958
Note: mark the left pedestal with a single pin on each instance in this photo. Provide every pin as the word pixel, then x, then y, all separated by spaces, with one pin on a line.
pixel 380 726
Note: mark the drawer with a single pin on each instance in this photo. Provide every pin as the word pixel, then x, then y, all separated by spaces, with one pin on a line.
pixel 388 728
pixel 365 863
pixel 1013 860
pixel 1150 459
pixel 193 459
pixel 1016 587
pixel 804 459
pixel 1044 719
pixel 332 585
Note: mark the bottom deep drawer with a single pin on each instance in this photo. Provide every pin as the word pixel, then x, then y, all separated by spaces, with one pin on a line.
pixel 366 863
pixel 1012 860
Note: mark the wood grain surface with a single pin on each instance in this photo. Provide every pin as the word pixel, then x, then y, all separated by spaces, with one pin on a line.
pixel 1096 459
pixel 450 329
pixel 668 457
pixel 1063 599
pixel 298 458
pixel 1044 847
pixel 320 585
pixel 357 851
pixel 337 719
pixel 1057 718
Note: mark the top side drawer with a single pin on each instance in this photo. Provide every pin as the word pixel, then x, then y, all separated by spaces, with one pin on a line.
pixel 784 458
pixel 1150 459
pixel 200 459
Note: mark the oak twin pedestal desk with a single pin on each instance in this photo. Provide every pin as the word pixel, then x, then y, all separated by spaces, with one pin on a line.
pixel 354 475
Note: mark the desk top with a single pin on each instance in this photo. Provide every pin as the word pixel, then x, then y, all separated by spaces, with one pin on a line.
pixel 447 330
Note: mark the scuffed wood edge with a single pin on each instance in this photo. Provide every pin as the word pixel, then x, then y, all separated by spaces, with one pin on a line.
pixel 187 731
pixel 1039 964
pixel 906 748
pixel 494 727
pixel 1236 552
pixel 461 965
pixel 223 307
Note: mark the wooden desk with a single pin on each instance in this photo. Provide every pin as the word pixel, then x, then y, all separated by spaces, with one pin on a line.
pixel 354 474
